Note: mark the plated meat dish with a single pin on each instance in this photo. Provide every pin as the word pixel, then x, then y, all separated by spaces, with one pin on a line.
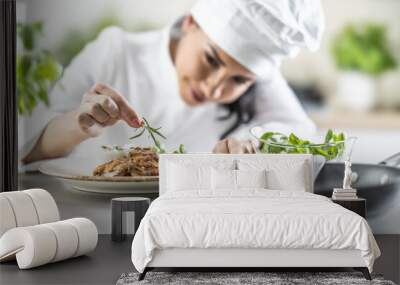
pixel 138 162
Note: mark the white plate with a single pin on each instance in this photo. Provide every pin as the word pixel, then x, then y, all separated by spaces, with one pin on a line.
pixel 78 173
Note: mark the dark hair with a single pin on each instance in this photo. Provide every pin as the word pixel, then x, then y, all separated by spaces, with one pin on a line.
pixel 243 108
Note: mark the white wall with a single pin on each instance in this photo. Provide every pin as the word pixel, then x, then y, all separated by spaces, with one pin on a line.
pixel 61 16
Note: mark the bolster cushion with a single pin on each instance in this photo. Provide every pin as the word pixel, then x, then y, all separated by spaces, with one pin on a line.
pixel 40 244
pixel 26 208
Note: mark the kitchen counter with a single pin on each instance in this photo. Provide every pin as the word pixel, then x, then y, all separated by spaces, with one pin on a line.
pixel 375 120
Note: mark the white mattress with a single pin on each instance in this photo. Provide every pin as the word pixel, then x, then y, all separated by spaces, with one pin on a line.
pixel 258 219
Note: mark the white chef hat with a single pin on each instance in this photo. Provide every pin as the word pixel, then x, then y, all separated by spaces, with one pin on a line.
pixel 258 33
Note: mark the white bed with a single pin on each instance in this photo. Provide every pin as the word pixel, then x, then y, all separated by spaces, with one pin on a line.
pixel 196 224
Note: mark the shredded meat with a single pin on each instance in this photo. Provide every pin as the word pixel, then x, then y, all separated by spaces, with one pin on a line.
pixel 139 162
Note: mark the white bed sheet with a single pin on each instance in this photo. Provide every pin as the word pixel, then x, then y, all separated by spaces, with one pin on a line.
pixel 250 219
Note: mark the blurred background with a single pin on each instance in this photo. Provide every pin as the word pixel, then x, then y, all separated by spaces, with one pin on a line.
pixel 352 83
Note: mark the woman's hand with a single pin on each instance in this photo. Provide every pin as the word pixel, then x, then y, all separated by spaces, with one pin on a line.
pixel 231 145
pixel 101 107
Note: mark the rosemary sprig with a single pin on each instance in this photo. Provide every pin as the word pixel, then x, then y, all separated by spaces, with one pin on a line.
pixel 153 132
pixel 138 135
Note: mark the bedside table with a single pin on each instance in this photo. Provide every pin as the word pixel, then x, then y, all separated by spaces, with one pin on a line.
pixel 358 206
pixel 121 210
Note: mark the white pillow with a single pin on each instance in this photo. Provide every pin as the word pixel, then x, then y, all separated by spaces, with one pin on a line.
pixel 188 177
pixel 293 174
pixel 295 180
pixel 231 180
pixel 251 178
pixel 223 179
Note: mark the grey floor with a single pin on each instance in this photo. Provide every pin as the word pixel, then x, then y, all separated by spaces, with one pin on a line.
pixel 110 260
pixel 102 266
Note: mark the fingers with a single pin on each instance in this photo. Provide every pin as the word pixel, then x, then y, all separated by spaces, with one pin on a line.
pixel 86 121
pixel 232 145
pixel 107 105
pixel 89 125
pixel 126 112
pixel 235 146
pixel 253 146
pixel 99 114
pixel 221 147
pixel 249 147
pixel 103 106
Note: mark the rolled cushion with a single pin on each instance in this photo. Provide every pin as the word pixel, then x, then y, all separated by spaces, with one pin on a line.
pixel 40 244
pixel 33 246
pixel 87 234
pixel 26 208
pixel 7 218
pixel 23 208
pixel 67 240
pixel 46 207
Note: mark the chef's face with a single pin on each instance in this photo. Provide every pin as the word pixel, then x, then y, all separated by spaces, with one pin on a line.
pixel 205 72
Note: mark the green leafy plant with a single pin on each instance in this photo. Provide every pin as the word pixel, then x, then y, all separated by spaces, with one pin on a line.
pixel 275 142
pixel 363 48
pixel 36 69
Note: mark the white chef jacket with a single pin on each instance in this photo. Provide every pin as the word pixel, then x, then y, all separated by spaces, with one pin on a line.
pixel 139 66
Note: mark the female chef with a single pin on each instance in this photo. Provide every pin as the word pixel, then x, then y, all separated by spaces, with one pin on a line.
pixel 206 80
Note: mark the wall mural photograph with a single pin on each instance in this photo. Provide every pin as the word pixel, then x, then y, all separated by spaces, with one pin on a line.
pixel 200 142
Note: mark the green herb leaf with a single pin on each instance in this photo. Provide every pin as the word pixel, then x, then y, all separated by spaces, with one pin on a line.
pixel 293 139
pixel 181 148
pixel 328 136
pixel 139 134
pixel 152 132
pixel 158 133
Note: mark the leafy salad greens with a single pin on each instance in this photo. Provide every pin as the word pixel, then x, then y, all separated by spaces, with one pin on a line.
pixel 275 142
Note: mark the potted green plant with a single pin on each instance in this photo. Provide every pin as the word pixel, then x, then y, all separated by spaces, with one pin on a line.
pixel 361 54
pixel 36 71
pixel 36 68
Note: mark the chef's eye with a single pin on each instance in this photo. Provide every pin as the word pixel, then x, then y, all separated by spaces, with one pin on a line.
pixel 239 79
pixel 211 60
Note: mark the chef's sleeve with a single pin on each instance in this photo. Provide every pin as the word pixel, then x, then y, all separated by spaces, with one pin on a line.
pixel 93 64
pixel 277 109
